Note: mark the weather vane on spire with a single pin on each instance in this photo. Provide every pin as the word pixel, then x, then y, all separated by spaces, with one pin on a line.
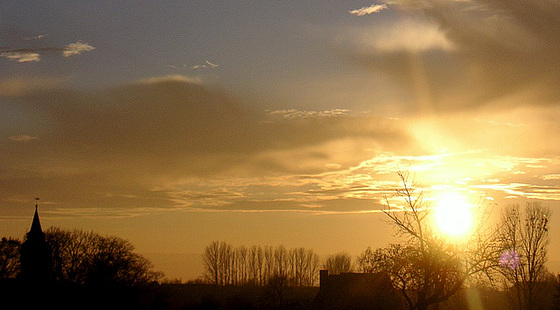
pixel 36 202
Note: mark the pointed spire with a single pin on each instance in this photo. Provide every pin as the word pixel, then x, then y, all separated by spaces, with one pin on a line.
pixel 35 254
pixel 36 225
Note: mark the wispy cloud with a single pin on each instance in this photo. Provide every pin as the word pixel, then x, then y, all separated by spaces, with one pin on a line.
pixel 366 10
pixel 98 212
pixel 34 54
pixel 217 137
pixel 171 78
pixel 201 151
pixel 22 138
pixel 294 114
pixel 211 65
pixel 35 38
pixel 19 85
pixel 510 47
pixel 21 56
pixel 76 49
pixel 401 36
pixel 206 65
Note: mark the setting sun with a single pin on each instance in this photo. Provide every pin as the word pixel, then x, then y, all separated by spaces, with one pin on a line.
pixel 331 126
pixel 453 215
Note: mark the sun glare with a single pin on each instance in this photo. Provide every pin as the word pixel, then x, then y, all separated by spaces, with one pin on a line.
pixel 453 215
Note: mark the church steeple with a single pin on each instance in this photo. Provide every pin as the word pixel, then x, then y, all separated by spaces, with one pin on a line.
pixel 36 224
pixel 35 254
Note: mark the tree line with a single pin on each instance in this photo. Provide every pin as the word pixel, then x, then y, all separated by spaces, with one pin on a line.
pixel 426 268
pixel 258 265
pixel 84 258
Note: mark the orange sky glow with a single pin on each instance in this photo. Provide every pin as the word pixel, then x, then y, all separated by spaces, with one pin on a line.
pixel 174 125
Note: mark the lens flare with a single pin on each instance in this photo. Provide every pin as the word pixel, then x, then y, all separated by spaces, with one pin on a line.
pixel 510 259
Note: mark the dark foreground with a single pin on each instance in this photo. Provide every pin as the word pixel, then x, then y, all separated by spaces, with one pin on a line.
pixel 16 295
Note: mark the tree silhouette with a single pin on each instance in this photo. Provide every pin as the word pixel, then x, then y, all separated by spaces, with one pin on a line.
pixel 226 265
pixel 524 238
pixel 426 268
pixel 339 263
pixel 88 258
pixel 72 253
pixel 9 258
pixel 213 263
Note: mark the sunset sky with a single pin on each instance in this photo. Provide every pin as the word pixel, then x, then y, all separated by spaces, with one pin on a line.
pixel 173 124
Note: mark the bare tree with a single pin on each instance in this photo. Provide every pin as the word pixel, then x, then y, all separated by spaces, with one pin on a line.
pixel 339 263
pixel 281 261
pixel 9 257
pixel 211 259
pixel 226 265
pixel 313 267
pixel 368 260
pixel 256 265
pixel 297 266
pixel 426 268
pixel 115 263
pixel 304 265
pixel 229 261
pixel 268 263
pixel 242 264
pixel 72 251
pixel 219 260
pixel 524 239
pixel 89 258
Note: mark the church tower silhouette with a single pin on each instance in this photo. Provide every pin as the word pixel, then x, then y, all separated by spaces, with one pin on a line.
pixel 35 254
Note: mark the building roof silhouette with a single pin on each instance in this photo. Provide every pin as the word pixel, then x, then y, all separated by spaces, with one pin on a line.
pixel 356 291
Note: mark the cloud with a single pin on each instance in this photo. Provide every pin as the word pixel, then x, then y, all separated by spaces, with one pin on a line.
pixel 76 49
pixel 169 143
pixel 160 141
pixel 364 187
pixel 366 10
pixel 473 54
pixel 411 36
pixel 34 54
pixel 14 87
pixel 35 38
pixel 22 138
pixel 170 78
pixel 295 114
pixel 211 65
pixel 21 56
pixel 185 66
pixel 206 65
